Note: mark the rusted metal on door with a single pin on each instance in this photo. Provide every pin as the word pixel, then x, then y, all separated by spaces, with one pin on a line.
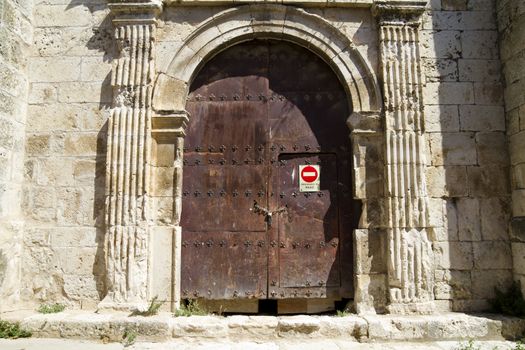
pixel 258 111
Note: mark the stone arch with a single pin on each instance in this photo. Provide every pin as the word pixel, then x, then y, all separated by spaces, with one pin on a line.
pixel 267 21
pixel 279 22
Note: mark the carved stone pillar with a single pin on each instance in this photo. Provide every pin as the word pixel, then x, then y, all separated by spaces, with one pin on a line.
pixel 171 128
pixel 129 153
pixel 410 272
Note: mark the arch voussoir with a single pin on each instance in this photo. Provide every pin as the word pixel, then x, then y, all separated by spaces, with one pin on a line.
pixel 270 21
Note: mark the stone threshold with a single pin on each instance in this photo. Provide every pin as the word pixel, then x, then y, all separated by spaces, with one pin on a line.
pixel 110 327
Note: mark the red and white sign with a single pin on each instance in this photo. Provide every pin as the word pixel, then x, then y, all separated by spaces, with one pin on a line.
pixel 309 178
pixel 309 174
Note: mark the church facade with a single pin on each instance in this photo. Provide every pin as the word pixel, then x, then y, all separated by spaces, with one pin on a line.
pixel 364 153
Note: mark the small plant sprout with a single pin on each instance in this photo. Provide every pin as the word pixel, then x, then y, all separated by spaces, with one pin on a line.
pixel 519 346
pixel 12 330
pixel 129 337
pixel 191 308
pixel 469 345
pixel 51 308
pixel 153 308
pixel 342 313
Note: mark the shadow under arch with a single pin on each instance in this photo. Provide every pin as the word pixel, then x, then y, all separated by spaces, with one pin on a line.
pixel 279 22
pixel 303 119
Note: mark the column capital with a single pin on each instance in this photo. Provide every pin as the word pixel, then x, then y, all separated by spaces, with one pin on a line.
pixel 167 127
pixel 398 11
pixel 138 11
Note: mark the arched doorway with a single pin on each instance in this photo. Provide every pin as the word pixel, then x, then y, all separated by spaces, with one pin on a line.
pixel 259 112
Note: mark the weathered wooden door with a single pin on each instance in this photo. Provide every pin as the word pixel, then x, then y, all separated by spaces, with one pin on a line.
pixel 258 110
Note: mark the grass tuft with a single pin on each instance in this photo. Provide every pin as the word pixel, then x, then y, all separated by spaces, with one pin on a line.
pixel 153 308
pixel 467 346
pixel 51 308
pixel 191 308
pixel 129 337
pixel 342 313
pixel 12 330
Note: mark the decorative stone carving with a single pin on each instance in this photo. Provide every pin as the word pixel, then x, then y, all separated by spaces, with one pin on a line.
pixel 128 154
pixel 409 249
pixel 133 124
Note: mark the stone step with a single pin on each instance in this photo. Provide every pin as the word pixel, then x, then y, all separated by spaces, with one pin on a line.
pixel 368 328
pixel 281 344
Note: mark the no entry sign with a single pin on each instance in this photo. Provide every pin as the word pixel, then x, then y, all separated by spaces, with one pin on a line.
pixel 309 178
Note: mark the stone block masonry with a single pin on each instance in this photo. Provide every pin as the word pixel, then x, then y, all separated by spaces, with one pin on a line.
pixel 468 172
pixel 15 38
pixel 316 331
pixel 63 194
pixel 511 25
pixel 70 77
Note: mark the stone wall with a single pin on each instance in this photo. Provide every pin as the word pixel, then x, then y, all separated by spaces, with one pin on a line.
pixel 468 176
pixel 511 24
pixel 15 39
pixel 69 103
pixel 65 152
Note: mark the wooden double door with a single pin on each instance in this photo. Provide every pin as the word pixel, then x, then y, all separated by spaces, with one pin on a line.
pixel 258 111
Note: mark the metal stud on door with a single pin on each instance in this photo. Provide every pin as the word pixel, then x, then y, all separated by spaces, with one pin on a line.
pixel 259 111
pixel 236 266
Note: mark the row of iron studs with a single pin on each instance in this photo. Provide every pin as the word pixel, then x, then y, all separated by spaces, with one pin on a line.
pixel 248 193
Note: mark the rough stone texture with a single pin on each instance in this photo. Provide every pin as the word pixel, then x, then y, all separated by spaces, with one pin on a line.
pixel 326 344
pixel 53 167
pixel 65 155
pixel 465 124
pixel 15 37
pixel 357 329
pixel 511 24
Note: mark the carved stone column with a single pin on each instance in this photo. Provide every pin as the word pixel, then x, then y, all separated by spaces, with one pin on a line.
pixel 129 153
pixel 410 272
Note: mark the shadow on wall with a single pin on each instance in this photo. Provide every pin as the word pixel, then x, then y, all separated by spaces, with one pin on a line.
pixel 467 174
pixel 99 266
pixel 101 40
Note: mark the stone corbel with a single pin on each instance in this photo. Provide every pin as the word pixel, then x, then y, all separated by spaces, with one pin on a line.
pixel 135 11
pixel 398 11
pixel 410 271
pixel 166 128
pixel 169 95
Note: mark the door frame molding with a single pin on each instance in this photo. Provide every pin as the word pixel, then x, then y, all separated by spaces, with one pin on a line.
pixel 270 21
pixel 385 247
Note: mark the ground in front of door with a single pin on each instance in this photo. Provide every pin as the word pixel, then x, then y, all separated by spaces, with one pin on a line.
pixel 318 344
pixel 80 330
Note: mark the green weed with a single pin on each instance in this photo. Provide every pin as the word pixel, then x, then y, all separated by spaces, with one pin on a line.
pixel 129 337
pixel 12 330
pixel 191 308
pixel 519 346
pixel 468 346
pixel 153 309
pixel 342 313
pixel 51 308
